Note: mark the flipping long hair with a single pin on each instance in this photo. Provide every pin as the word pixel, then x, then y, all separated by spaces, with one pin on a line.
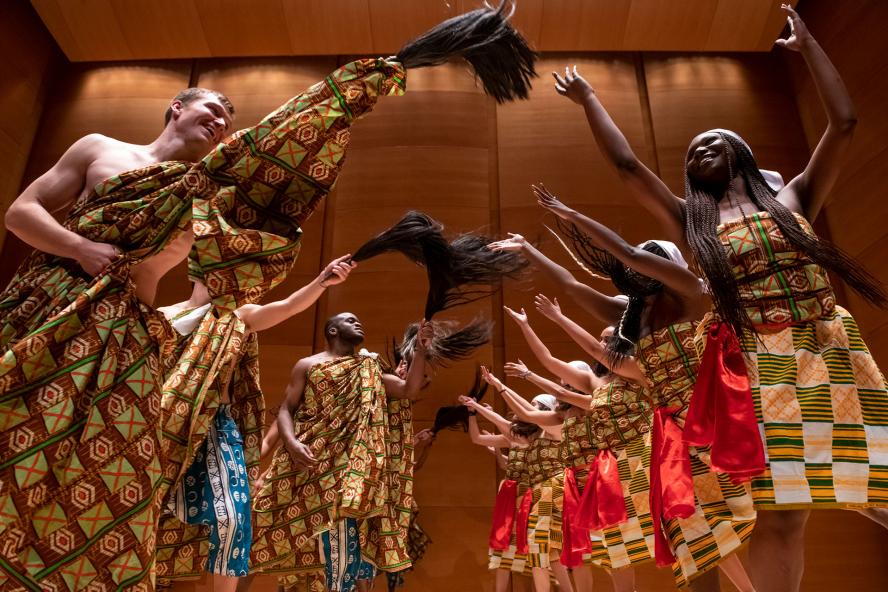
pixel 456 417
pixel 635 286
pixel 459 271
pixel 499 55
pixel 701 222
pixel 450 342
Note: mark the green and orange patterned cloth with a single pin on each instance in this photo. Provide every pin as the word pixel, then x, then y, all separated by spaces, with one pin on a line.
pixel 819 397
pixel 723 516
pixel 82 360
pixel 217 360
pixel 343 419
pixel 618 419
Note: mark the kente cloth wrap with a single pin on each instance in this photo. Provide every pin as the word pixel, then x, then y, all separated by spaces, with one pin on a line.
pixel 619 421
pixel 546 474
pixel 819 397
pixel 517 472
pixel 79 377
pixel 418 542
pixel 218 358
pixel 386 541
pixel 723 515
pixel 343 420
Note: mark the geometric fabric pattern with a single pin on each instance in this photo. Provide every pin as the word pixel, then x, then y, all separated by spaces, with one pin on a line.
pixel 820 399
pixel 509 559
pixel 343 419
pixel 724 515
pixel 544 525
pixel 81 358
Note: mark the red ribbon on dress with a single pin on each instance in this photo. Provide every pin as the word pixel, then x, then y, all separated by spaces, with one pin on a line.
pixel 602 505
pixel 503 516
pixel 672 487
pixel 524 520
pixel 721 413
pixel 575 541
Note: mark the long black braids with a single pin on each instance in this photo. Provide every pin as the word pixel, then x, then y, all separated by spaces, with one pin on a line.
pixel 635 286
pixel 701 227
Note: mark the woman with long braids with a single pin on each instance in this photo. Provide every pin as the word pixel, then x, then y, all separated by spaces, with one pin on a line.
pixel 607 447
pixel 818 398
pixel 705 515
pixel 508 535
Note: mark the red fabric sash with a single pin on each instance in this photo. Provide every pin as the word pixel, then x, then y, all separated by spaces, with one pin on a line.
pixel 672 487
pixel 503 516
pixel 574 540
pixel 602 505
pixel 523 520
pixel 721 413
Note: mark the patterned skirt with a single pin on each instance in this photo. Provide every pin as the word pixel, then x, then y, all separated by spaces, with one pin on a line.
pixel 723 521
pixel 632 542
pixel 544 534
pixel 822 407
pixel 510 559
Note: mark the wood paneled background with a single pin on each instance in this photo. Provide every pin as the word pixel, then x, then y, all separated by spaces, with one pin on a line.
pixel 448 150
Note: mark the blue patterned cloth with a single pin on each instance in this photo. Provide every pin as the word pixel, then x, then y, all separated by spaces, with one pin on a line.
pixel 215 492
pixel 341 552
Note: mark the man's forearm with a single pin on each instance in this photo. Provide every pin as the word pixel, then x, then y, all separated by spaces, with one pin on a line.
pixel 34 225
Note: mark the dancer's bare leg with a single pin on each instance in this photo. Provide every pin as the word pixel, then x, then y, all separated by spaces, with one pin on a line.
pixel 733 568
pixel 521 583
pixel 623 579
pixel 706 582
pixel 244 583
pixel 582 578
pixel 501 580
pixel 541 581
pixel 777 550
pixel 877 515
pixel 562 576
pixel 225 583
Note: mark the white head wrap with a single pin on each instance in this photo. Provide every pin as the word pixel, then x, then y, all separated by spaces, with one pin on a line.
pixel 672 251
pixel 548 402
pixel 581 365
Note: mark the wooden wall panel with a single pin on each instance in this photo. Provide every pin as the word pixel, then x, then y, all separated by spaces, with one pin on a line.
pixel 30 58
pixel 448 150
pixel 856 209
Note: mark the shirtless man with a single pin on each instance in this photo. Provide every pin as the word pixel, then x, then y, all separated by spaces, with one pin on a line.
pixel 196 120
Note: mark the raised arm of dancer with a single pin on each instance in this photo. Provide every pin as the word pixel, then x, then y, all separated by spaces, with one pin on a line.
pixel 628 368
pixel 495 440
pixel 300 454
pixel 410 387
pixel 676 277
pixel 606 308
pixel 30 216
pixel 500 423
pixel 644 185
pixel 561 393
pixel 577 378
pixel 520 406
pixel 808 191
pixel 259 317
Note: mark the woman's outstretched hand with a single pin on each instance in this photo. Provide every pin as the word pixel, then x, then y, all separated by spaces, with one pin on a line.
pixel 515 242
pixel 547 200
pixel 548 308
pixel 798 32
pixel 572 85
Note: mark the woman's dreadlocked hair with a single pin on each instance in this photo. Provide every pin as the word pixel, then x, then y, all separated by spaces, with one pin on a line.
pixel 701 223
pixel 498 53
pixel 601 264
pixel 459 271
pixel 449 341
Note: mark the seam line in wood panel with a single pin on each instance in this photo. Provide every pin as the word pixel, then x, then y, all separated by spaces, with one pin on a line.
pixel 320 309
pixel 194 75
pixel 646 116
